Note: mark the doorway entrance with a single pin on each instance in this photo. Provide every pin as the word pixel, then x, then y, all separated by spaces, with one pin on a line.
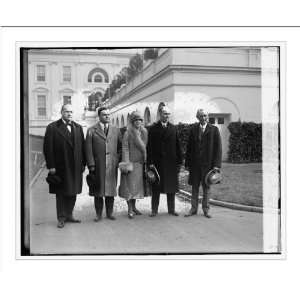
pixel 222 121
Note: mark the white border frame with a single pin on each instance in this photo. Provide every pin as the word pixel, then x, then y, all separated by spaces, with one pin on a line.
pixel 168 44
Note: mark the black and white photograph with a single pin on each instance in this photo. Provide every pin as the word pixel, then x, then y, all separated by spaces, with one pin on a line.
pixel 168 149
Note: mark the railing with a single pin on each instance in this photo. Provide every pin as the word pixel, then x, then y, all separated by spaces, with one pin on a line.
pixel 36 154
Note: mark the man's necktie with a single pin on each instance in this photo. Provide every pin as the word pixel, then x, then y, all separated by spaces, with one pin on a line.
pixel 200 132
pixel 69 126
pixel 106 129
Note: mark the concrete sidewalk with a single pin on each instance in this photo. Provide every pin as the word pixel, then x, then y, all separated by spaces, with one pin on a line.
pixel 229 231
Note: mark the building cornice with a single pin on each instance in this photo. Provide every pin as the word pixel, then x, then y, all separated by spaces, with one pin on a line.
pixel 118 106
pixel 191 69
pixel 79 53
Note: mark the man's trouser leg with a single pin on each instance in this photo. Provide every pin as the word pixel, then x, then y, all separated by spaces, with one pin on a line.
pixel 109 205
pixel 205 199
pixel 155 200
pixel 98 201
pixel 195 198
pixel 70 204
pixel 171 202
pixel 61 207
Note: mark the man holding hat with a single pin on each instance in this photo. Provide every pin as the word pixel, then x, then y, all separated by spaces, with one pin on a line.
pixel 103 147
pixel 164 153
pixel 204 153
pixel 64 155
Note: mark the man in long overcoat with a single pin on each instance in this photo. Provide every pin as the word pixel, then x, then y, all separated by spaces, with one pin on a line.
pixel 164 152
pixel 103 152
pixel 204 153
pixel 64 155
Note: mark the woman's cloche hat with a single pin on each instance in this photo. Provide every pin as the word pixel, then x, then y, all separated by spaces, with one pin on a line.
pixel 135 115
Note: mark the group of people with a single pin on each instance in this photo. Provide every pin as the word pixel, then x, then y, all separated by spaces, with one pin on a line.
pixel 104 151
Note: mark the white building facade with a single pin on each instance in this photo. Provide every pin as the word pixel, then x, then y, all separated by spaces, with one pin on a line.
pixel 79 77
pixel 226 81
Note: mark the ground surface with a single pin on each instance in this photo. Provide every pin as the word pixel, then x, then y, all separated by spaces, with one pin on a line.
pixel 229 231
pixel 242 183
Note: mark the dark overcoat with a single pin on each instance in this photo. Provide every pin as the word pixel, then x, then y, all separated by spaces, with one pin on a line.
pixel 104 153
pixel 64 151
pixel 164 151
pixel 203 154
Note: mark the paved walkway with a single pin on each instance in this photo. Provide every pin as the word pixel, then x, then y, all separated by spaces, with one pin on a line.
pixel 229 231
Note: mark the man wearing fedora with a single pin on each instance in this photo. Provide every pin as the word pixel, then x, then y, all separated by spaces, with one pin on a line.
pixel 164 153
pixel 64 155
pixel 203 154
pixel 103 147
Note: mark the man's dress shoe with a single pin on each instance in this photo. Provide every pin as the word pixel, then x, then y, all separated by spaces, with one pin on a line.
pixel 190 213
pixel 60 224
pixel 207 215
pixel 174 213
pixel 97 219
pixel 72 220
pixel 112 218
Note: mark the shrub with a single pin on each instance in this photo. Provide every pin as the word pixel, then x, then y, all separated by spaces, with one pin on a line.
pixel 245 142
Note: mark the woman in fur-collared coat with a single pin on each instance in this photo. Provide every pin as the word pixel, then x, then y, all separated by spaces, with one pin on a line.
pixel 134 144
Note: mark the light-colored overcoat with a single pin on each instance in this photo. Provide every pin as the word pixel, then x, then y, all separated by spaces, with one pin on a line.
pixel 104 153
pixel 132 185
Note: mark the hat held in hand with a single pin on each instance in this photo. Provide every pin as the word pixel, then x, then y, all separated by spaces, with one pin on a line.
pixel 53 179
pixel 213 177
pixel 152 175
pixel 91 180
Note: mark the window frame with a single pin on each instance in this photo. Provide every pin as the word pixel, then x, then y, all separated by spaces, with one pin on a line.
pixel 63 73
pixel 38 116
pixel 37 73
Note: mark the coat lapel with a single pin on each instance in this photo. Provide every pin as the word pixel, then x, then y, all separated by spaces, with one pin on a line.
pixel 63 131
pixel 165 131
pixel 100 132
pixel 207 129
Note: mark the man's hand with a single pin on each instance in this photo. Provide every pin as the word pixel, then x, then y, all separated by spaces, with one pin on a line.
pixel 92 169
pixel 216 169
pixel 52 171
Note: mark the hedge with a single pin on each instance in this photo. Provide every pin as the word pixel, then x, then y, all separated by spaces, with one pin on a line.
pixel 245 141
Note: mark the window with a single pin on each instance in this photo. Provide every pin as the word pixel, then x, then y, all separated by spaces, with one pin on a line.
pixel 41 73
pixel 212 120
pixel 220 120
pixel 67 74
pixel 98 71
pixel 41 105
pixel 67 100
pixel 98 78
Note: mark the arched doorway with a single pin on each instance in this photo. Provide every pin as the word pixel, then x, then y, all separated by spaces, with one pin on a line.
pixel 147 117
pixel 117 123
pixel 122 121
pixel 128 118
pixel 160 105
pixel 222 111
pixel 98 75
